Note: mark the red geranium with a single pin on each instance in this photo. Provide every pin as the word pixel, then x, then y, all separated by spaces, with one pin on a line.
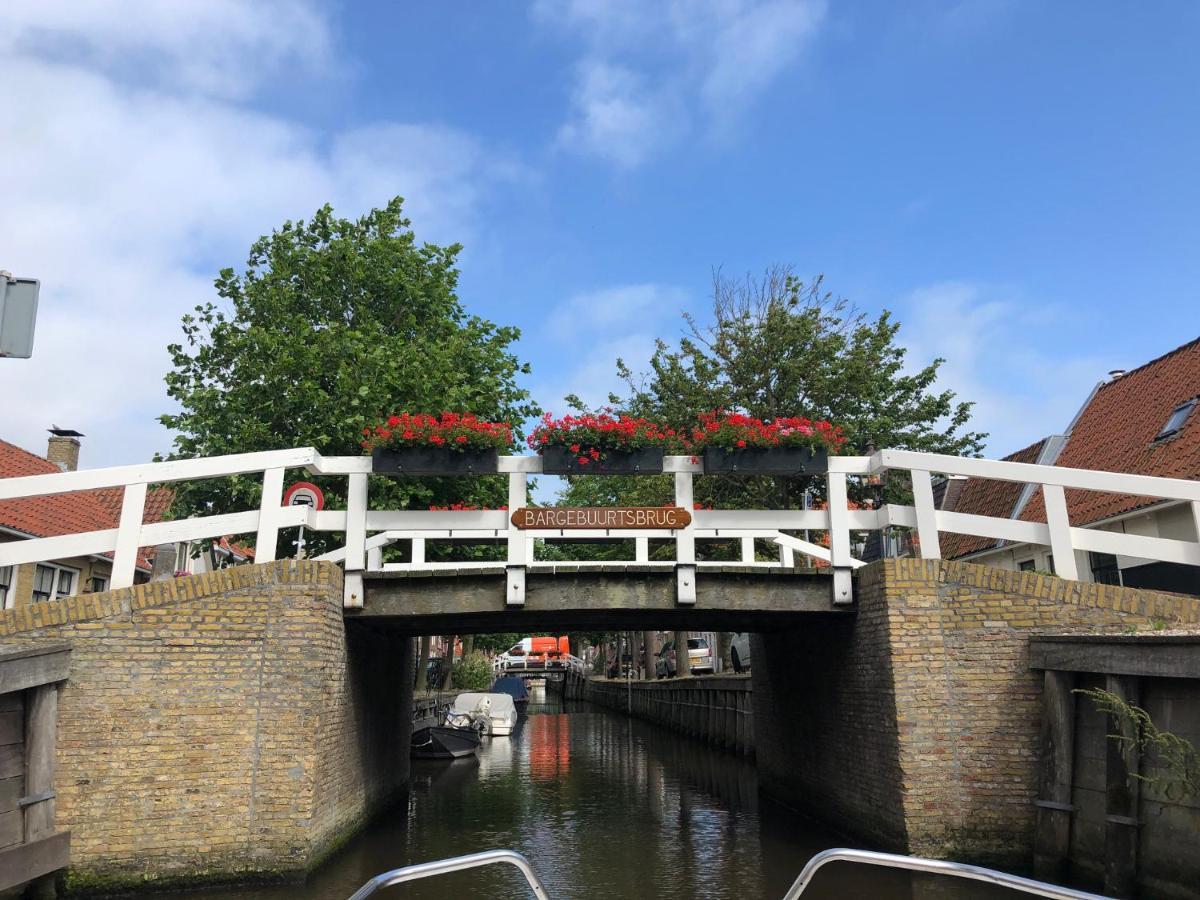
pixel 737 431
pixel 590 436
pixel 454 431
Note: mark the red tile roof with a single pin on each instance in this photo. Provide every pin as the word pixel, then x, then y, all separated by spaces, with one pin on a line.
pixel 984 497
pixel 71 513
pixel 1116 432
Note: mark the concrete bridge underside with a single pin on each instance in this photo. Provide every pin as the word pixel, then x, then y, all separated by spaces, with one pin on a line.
pixel 591 597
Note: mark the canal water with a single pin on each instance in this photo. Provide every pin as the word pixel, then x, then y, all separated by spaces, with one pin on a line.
pixel 604 807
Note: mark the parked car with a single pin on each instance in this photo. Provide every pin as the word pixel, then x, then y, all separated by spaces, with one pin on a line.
pixel 739 651
pixel 700 657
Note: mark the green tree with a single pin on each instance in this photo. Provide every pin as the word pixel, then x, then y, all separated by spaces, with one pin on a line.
pixel 333 325
pixel 777 346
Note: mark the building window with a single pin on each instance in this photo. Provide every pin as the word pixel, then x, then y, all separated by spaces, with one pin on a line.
pixel 51 582
pixel 1176 419
pixel 6 580
pixel 97 584
pixel 1104 568
pixel 1027 565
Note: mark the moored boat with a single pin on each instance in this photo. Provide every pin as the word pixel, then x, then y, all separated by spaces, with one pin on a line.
pixel 498 710
pixel 514 687
pixel 443 742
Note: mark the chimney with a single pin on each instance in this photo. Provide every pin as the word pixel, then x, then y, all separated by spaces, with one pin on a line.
pixel 63 448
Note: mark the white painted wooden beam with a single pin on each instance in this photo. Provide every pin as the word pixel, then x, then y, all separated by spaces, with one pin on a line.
pixel 154 473
pixel 86 543
pixel 356 539
pixel 129 532
pixel 1031 473
pixel 927 529
pixel 518 547
pixel 267 539
pixel 1059 524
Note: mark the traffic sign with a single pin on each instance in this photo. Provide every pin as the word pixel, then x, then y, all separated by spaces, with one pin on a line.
pixel 304 493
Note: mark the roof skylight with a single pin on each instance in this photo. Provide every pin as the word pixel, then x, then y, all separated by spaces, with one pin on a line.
pixel 1176 419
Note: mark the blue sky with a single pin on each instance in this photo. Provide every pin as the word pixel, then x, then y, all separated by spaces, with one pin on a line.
pixel 1015 180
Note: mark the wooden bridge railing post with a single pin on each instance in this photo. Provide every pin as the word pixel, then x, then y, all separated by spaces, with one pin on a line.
pixel 685 543
pixel 129 531
pixel 356 539
pixel 927 530
pixel 839 538
pixel 518 546
pixel 268 516
pixel 1060 531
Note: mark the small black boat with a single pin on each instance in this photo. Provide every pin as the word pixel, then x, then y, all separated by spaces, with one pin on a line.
pixel 441 742
pixel 514 687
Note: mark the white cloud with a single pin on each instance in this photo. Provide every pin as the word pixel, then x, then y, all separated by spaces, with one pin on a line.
pixel 617 117
pixel 650 73
pixel 218 47
pixel 1005 355
pixel 597 328
pixel 125 199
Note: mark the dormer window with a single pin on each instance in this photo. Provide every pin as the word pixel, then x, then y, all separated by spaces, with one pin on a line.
pixel 1176 419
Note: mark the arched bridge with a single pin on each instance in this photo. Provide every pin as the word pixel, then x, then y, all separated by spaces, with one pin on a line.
pixel 668 573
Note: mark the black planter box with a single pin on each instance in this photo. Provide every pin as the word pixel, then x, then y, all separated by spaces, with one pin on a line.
pixel 433 461
pixel 561 461
pixel 765 461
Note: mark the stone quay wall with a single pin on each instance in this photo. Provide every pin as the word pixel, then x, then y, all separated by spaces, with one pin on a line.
pixel 916 723
pixel 713 709
pixel 220 727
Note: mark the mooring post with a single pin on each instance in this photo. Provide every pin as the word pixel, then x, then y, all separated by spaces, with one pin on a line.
pixel 1052 835
pixel 1123 760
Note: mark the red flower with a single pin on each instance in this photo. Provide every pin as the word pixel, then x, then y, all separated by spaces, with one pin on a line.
pixel 583 460
pixel 393 421
pixel 461 439
pixel 741 443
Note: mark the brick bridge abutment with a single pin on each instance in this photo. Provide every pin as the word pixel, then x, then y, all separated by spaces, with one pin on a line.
pixel 916 725
pixel 221 727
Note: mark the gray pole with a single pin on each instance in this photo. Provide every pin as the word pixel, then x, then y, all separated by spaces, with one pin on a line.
pixel 648 654
pixel 683 663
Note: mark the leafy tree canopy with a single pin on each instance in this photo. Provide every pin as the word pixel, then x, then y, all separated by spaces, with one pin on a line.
pixel 333 325
pixel 780 347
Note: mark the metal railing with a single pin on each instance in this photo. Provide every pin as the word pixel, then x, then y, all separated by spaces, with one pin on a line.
pixel 932 867
pixel 803 881
pixel 368 531
pixel 456 864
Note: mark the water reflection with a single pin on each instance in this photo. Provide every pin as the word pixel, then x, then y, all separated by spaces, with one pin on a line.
pixel 604 807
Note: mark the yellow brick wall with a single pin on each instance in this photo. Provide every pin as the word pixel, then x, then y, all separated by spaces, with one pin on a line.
pixel 968 707
pixel 915 722
pixel 218 725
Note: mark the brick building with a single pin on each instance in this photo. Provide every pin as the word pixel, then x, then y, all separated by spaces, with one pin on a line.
pixel 59 514
pixel 1143 422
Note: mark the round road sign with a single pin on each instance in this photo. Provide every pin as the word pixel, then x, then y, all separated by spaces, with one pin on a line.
pixel 303 493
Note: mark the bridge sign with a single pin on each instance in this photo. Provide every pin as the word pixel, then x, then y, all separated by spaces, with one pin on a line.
pixel 304 493
pixel 564 517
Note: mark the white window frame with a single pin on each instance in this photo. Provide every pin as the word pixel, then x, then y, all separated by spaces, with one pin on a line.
pixel 6 585
pixel 56 593
pixel 92 579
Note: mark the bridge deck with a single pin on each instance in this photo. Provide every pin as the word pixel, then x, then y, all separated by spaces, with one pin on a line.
pixel 589 596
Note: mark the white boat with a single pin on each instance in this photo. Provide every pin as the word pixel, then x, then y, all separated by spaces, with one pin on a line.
pixel 499 710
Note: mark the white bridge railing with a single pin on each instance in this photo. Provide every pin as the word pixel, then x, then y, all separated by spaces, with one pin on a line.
pixel 368 531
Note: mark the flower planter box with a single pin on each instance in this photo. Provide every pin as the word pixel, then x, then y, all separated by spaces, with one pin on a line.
pixel 433 461
pixel 765 461
pixel 644 461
